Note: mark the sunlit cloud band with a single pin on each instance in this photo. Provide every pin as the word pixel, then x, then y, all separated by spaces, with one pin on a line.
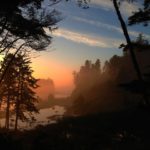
pixel 88 40
pixel 108 26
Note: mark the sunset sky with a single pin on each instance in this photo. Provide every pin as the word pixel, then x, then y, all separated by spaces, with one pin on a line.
pixel 83 34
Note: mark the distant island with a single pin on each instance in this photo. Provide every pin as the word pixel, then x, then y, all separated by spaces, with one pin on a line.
pixel 46 89
pixel 48 95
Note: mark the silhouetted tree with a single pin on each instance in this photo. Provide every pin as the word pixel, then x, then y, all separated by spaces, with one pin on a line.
pixel 23 24
pixel 17 88
pixel 20 17
pixel 21 21
pixel 142 15
pixel 128 40
pixel 26 98
pixel 97 65
pixel 118 71
pixel 88 74
pixel 8 88
pixel 92 85
pixel 116 4
pixel 142 51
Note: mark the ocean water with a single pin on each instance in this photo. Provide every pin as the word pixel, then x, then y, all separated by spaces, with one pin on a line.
pixel 45 116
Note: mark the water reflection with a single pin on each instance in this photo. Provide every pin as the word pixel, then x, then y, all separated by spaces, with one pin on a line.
pixel 45 116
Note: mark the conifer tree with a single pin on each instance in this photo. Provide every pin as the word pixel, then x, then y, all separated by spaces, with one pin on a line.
pixel 18 89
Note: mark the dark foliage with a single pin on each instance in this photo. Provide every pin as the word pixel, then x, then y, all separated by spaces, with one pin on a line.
pixel 141 16
pixel 26 19
pixel 119 130
pixel 136 86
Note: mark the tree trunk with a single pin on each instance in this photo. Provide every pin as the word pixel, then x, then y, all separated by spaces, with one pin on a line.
pixel 7 112
pixel 18 101
pixel 17 115
pixel 131 49
pixel 17 105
